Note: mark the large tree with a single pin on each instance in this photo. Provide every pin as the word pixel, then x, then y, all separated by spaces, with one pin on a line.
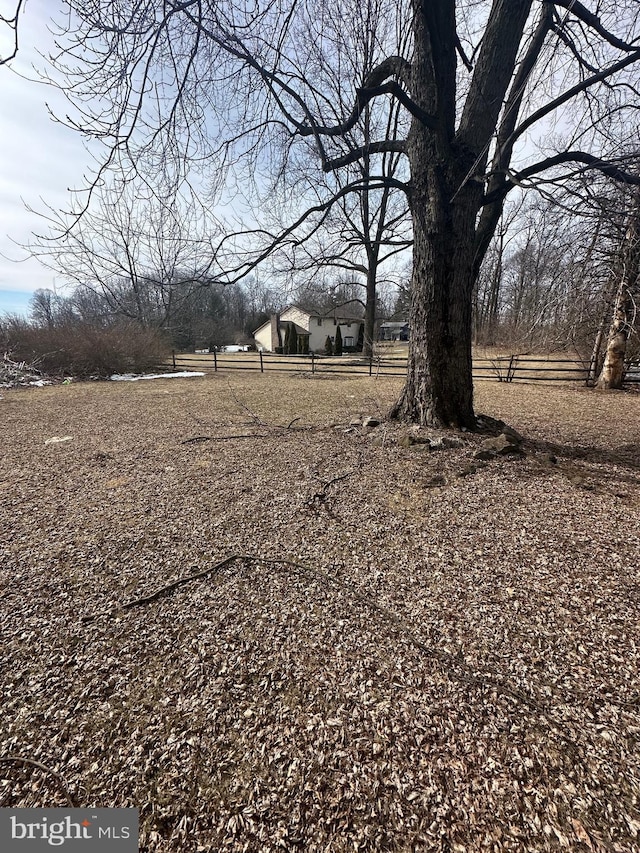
pixel 217 84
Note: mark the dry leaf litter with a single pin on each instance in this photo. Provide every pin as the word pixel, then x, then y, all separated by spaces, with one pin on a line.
pixel 382 647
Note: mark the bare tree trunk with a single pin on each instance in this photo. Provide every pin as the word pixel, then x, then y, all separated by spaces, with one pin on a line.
pixel 439 386
pixel 612 373
pixel 370 307
pixel 594 364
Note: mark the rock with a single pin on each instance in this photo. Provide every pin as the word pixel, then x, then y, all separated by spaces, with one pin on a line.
pixel 355 422
pixel 502 445
pixel 496 443
pixel 417 436
pixel 370 422
pixel 467 470
pixel 451 442
pixel 58 439
pixel 485 455
pixel 406 440
pixel 377 441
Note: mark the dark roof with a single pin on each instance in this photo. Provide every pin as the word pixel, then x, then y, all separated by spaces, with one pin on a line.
pixel 298 328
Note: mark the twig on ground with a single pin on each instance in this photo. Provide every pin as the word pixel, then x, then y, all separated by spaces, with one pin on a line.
pixel 163 590
pixel 245 408
pixel 322 496
pixel 200 439
pixel 256 420
pixel 31 762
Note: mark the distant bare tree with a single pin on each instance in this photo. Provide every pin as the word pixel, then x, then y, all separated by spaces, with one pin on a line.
pixel 142 254
pixel 44 308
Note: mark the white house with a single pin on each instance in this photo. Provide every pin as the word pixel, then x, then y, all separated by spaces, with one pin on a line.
pixel 317 326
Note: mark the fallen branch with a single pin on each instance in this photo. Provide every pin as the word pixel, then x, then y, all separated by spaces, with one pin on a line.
pixel 31 762
pixel 443 657
pixel 245 408
pixel 450 663
pixel 163 590
pixel 322 496
pixel 256 419
pixel 200 439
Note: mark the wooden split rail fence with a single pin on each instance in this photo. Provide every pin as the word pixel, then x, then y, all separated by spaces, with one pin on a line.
pixel 514 368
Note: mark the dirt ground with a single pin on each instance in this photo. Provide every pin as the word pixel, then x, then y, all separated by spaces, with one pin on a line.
pixel 377 647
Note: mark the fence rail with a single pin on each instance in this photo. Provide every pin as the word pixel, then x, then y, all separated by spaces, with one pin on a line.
pixel 513 368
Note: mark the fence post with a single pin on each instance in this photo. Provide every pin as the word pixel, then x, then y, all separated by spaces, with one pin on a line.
pixel 173 356
pixel 313 362
pixel 215 361
pixel 261 364
pixel 370 365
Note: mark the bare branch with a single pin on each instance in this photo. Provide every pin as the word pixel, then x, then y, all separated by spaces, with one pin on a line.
pixel 593 22
pixel 398 146
pixel 571 93
pixel 12 23
pixel 607 167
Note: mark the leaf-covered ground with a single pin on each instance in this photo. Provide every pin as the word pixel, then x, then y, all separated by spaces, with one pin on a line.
pixel 383 648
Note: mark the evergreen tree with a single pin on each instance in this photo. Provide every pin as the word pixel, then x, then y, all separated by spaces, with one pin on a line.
pixel 293 340
pixel 338 345
pixel 328 346
pixel 360 342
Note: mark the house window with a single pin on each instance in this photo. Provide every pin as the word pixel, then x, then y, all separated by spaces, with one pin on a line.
pixel 319 321
pixel 335 322
pixel 348 341
pixel 349 325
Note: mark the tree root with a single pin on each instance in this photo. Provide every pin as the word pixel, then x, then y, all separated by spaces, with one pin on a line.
pixel 31 762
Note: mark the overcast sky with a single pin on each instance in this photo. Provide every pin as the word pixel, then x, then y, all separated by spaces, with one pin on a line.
pixel 39 159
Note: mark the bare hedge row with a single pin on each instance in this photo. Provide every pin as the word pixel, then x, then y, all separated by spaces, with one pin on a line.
pixel 83 350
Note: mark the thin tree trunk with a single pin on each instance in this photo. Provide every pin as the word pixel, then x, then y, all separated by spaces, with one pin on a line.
pixel 612 374
pixel 595 365
pixel 370 308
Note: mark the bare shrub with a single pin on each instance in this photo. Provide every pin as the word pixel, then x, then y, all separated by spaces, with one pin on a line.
pixel 82 350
